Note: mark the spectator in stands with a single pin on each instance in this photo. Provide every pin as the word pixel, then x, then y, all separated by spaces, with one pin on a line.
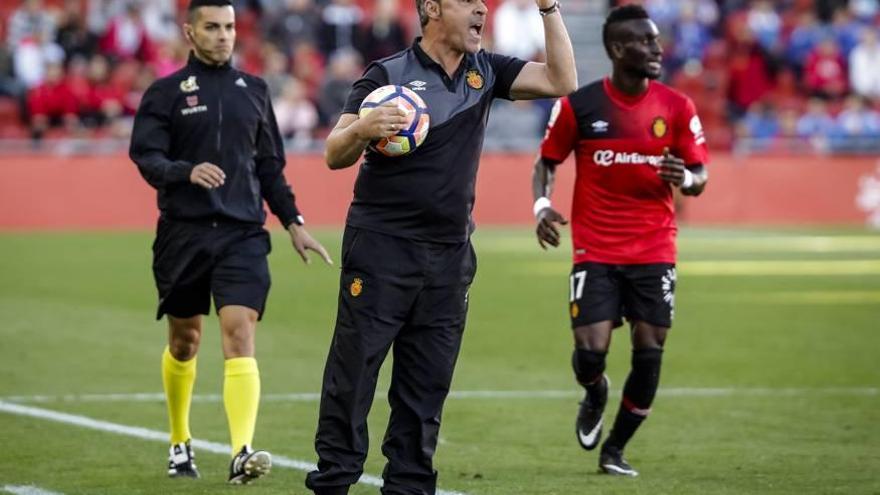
pixel 845 30
pixel 169 57
pixel 30 21
pixel 804 38
pixel 691 37
pixel 105 102
pixel 517 31
pixel 749 70
pixel 52 103
pixel 343 70
pixel 865 10
pixel 816 121
pixel 31 56
pixel 73 36
pixel 295 22
pixel 825 70
pixel 296 115
pixel 339 22
pixel 857 120
pixel 384 35
pixel 759 127
pixel 308 67
pixel 864 65
pixel 160 19
pixel 275 71
pixel 765 24
pixel 760 121
pixel 9 85
pixel 126 37
pixel 664 13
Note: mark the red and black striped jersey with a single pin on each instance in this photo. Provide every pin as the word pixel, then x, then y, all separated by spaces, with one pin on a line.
pixel 622 212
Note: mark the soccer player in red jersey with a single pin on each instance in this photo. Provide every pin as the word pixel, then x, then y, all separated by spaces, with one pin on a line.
pixel 635 141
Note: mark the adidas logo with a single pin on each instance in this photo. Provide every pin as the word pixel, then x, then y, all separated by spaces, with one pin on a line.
pixel 240 83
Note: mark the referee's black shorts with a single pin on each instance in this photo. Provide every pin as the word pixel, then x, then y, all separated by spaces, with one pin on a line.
pixel 193 260
pixel 600 292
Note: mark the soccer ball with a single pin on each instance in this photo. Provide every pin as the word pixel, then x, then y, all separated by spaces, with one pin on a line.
pixel 416 129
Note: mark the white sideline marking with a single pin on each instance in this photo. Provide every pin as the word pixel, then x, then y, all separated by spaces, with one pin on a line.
pixel 468 394
pixel 27 490
pixel 159 436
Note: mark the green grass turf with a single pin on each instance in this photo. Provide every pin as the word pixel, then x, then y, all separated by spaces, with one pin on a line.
pixel 77 311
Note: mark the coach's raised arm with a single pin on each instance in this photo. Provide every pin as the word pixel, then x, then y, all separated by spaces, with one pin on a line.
pixel 556 77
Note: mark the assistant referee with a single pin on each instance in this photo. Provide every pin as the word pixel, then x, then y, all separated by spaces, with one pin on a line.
pixel 206 138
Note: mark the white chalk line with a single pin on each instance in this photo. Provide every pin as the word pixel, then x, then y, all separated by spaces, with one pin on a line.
pixel 464 394
pixel 27 490
pixel 161 436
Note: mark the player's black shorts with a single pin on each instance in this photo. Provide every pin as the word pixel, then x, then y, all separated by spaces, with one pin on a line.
pixel 600 292
pixel 194 260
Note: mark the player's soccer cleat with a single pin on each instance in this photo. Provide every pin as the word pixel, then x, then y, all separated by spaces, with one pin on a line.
pixel 611 461
pixel 181 461
pixel 248 465
pixel 589 418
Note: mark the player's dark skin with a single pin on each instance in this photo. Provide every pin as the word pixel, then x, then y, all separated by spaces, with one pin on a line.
pixel 636 56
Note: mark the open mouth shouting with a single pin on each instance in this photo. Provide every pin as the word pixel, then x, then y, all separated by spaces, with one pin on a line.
pixel 476 30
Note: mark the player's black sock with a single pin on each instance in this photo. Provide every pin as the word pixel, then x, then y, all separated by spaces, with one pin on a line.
pixel 588 367
pixel 638 394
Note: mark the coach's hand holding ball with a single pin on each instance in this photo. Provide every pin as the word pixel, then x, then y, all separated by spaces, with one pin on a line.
pixel 207 175
pixel 404 123
pixel 382 122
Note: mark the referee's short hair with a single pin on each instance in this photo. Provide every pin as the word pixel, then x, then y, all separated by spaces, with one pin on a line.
pixel 620 14
pixel 195 4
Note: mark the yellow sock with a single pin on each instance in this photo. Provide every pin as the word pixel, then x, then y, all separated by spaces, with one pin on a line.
pixel 241 396
pixel 178 378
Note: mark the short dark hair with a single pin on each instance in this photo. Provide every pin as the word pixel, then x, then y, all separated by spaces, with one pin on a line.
pixel 620 14
pixel 423 14
pixel 195 4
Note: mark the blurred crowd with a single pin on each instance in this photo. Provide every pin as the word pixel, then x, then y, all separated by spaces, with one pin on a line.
pixel 774 75
pixel 78 68
pixel 766 75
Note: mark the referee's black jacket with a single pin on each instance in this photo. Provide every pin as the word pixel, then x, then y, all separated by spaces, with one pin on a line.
pixel 220 115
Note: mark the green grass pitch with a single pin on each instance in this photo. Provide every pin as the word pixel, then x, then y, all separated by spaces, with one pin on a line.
pixel 770 383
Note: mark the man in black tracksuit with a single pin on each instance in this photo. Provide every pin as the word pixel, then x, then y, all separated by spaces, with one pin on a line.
pixel 407 261
pixel 205 137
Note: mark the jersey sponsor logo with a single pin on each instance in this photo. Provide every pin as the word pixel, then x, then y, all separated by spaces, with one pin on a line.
pixel 659 127
pixel 195 109
pixel 356 287
pixel 189 85
pixel 696 128
pixel 607 158
pixel 600 126
pixel 474 79
pixel 417 85
pixel 240 83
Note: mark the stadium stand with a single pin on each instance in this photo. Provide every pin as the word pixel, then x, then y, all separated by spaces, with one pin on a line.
pixel 787 76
